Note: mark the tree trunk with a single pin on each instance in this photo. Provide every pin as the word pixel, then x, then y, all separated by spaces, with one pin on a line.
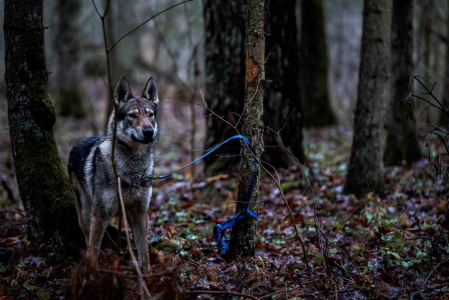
pixel 224 51
pixel 443 119
pixel 402 141
pixel 425 39
pixel 69 100
pixel 314 61
pixel 119 18
pixel 244 232
pixel 283 105
pixel 365 165
pixel 43 182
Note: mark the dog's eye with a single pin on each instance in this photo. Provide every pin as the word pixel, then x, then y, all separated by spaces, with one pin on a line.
pixel 151 114
pixel 132 116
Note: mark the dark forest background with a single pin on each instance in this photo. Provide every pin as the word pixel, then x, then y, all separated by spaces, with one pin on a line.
pixel 353 200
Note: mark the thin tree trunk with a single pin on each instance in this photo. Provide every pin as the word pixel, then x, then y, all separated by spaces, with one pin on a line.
pixel 120 16
pixel 425 37
pixel 443 119
pixel 111 35
pixel 314 61
pixel 402 140
pixel 244 232
pixel 282 104
pixel 43 182
pixel 224 51
pixel 69 100
pixel 365 165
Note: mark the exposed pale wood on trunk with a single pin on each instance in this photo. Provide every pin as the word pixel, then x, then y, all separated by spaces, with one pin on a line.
pixel 244 231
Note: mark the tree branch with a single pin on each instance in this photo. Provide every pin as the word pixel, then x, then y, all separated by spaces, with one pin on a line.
pixel 146 21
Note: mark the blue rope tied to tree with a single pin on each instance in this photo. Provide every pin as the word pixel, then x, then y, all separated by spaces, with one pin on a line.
pixel 220 229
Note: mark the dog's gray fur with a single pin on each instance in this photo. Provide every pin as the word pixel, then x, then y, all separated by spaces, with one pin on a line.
pixel 92 175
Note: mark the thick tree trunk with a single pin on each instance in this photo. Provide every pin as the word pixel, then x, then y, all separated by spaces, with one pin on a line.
pixel 43 182
pixel 314 61
pixel 365 165
pixel 402 141
pixel 224 51
pixel 244 231
pixel 69 101
pixel 283 105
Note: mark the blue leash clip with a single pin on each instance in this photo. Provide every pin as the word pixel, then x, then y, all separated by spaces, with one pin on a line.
pixel 220 229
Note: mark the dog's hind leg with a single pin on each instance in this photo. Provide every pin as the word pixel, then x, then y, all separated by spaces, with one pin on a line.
pixel 83 211
pixel 98 226
pixel 140 227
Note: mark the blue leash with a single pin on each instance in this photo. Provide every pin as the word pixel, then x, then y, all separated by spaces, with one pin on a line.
pixel 220 229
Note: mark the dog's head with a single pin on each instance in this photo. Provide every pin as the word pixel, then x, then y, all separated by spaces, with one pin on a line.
pixel 136 114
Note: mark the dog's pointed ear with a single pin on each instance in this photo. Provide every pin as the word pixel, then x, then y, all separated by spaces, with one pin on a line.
pixel 150 91
pixel 122 91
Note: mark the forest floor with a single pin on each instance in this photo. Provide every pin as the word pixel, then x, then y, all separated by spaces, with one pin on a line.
pixel 376 247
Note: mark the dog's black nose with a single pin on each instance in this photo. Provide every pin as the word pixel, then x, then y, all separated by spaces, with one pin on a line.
pixel 148 134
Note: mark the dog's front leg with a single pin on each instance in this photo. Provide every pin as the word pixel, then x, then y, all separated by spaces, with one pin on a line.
pixel 97 228
pixel 140 232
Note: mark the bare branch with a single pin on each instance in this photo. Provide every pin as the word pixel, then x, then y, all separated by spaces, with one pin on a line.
pixel 99 73
pixel 128 239
pixel 96 9
pixel 430 93
pixel 427 101
pixel 146 21
pixel 122 211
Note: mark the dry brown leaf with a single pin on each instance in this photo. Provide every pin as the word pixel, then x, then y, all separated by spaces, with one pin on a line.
pixel 404 221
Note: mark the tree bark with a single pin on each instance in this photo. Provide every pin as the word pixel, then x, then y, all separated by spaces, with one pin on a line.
pixel 314 61
pixel 443 119
pixel 425 38
pixel 244 231
pixel 283 103
pixel 43 182
pixel 224 51
pixel 69 100
pixel 365 165
pixel 116 69
pixel 402 143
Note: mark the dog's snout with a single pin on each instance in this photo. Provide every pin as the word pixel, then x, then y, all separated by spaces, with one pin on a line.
pixel 148 134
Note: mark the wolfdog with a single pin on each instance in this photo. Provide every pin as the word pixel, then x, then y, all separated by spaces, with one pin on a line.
pixel 92 176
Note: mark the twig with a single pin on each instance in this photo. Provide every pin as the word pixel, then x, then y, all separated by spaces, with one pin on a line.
pixel 246 104
pixel 427 101
pixel 434 269
pixel 430 93
pixel 122 213
pixel 128 239
pixel 223 292
pixel 99 73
